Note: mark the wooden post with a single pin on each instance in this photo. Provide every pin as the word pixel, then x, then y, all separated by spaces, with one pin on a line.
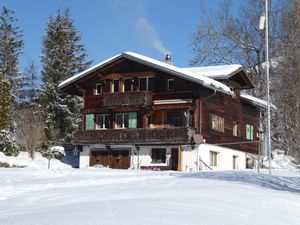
pixel 179 158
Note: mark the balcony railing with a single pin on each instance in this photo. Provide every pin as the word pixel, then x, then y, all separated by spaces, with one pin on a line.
pixel 177 135
pixel 127 99
pixel 118 99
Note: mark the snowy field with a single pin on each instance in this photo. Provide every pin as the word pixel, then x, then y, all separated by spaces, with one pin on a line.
pixel 104 196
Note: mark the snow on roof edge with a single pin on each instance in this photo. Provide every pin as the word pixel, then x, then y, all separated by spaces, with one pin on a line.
pixel 205 81
pixel 257 101
pixel 85 72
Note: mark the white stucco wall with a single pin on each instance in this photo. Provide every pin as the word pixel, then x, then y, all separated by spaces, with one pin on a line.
pixel 189 156
pixel 145 159
pixel 225 156
pixel 84 159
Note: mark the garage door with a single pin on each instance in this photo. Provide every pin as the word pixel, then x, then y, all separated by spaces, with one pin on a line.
pixel 116 159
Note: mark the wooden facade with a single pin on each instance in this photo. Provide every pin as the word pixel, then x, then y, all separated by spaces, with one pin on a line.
pixel 130 102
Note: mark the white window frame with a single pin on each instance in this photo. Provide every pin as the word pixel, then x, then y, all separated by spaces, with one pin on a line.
pixel 217 123
pixel 214 161
pixel 113 86
pixel 169 84
pixel 96 89
pixel 103 121
pixel 147 82
pixel 123 121
pixel 235 129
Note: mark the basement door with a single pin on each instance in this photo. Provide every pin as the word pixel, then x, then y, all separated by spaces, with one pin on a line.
pixel 116 159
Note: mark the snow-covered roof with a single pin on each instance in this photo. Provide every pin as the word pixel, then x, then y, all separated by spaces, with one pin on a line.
pixel 257 101
pixel 87 71
pixel 216 72
pixel 200 75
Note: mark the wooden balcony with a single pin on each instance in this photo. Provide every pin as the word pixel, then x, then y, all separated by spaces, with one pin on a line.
pixel 178 135
pixel 118 99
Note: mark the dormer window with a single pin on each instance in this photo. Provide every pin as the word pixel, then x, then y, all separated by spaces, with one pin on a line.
pixel 98 89
pixel 171 84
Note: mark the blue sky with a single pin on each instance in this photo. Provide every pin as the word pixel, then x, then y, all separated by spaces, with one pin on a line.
pixel 108 27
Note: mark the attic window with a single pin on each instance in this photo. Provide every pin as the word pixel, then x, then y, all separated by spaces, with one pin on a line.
pixel 171 84
pixel 98 89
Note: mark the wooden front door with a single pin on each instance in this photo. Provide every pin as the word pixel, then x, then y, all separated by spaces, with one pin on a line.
pixel 174 159
pixel 120 159
pixel 116 159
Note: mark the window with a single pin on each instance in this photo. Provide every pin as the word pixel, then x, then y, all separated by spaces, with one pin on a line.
pixel 158 155
pixel 102 121
pixel 98 90
pixel 171 84
pixel 146 83
pixel 235 128
pixel 249 132
pixel 214 158
pixel 235 162
pixel 89 122
pixel 127 84
pixel 217 123
pixel 174 118
pixel 126 120
pixel 115 86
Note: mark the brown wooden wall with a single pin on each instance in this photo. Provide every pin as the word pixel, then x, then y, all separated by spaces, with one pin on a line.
pixel 231 110
pixel 205 102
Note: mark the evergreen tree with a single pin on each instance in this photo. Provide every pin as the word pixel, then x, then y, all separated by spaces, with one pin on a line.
pixel 4 103
pixel 62 57
pixel 11 45
pixel 29 91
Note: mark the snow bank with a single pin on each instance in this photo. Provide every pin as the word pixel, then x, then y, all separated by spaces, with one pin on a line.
pixel 23 160
pixel 282 161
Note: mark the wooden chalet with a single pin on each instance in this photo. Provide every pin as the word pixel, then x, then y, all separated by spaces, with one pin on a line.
pixel 142 113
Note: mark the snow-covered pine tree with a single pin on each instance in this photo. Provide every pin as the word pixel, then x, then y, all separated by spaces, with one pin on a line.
pixel 29 88
pixel 11 44
pixel 62 57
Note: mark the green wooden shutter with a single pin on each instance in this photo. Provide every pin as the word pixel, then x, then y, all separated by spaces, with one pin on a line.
pixel 132 120
pixel 251 132
pixel 89 121
pixel 248 132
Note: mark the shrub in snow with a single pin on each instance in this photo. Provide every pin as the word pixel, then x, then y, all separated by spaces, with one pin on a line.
pixel 7 144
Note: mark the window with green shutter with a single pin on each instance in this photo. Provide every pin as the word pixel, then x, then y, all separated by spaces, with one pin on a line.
pixel 132 120
pixel 249 132
pixel 89 122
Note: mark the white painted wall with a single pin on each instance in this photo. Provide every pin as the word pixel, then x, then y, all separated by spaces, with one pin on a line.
pixel 189 156
pixel 225 156
pixel 84 159
pixel 145 159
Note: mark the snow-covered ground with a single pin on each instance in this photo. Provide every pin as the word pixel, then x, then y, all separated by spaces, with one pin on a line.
pixel 23 160
pixel 103 196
